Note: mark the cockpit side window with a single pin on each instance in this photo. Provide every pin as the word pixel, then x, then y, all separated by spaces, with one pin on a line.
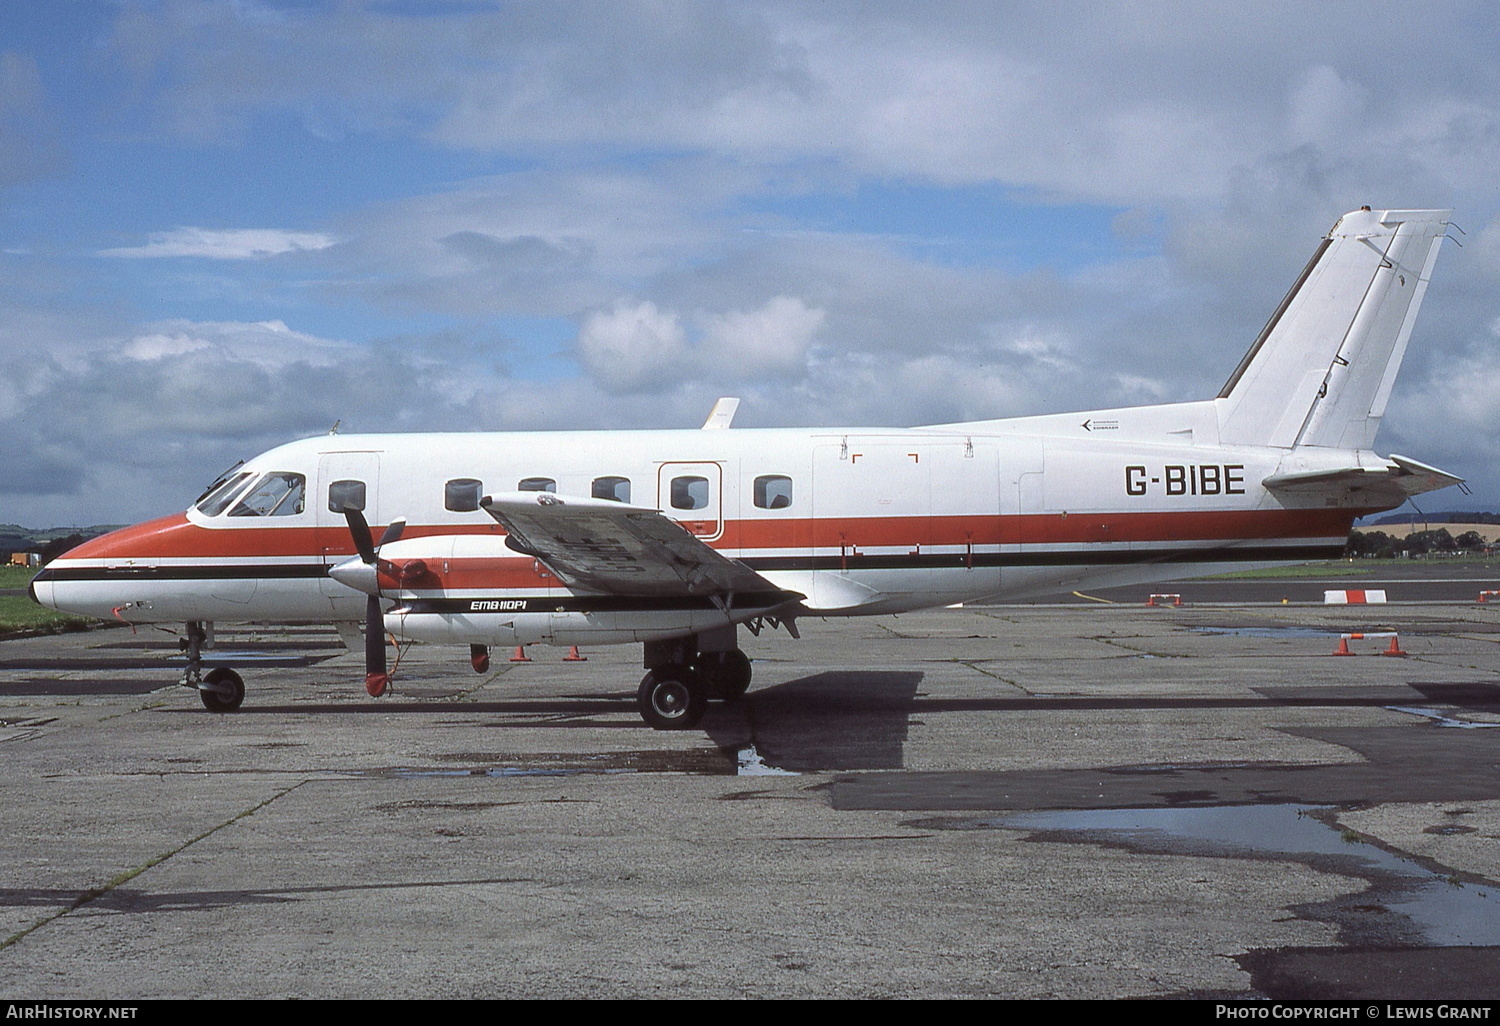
pixel 217 499
pixel 278 494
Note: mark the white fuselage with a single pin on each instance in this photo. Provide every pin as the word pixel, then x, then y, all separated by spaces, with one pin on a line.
pixel 856 520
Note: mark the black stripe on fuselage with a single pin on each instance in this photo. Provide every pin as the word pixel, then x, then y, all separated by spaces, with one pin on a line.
pixel 743 602
pixel 1073 557
pixel 850 561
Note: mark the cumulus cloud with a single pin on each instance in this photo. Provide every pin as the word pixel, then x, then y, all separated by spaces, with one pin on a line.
pixel 224 244
pixel 772 340
pixel 634 347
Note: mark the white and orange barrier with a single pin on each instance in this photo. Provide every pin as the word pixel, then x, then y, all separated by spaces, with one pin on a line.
pixel 1353 597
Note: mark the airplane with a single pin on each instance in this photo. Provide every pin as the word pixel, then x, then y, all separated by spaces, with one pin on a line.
pixel 675 539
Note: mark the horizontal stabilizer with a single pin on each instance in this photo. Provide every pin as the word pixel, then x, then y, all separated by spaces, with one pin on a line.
pixel 1386 486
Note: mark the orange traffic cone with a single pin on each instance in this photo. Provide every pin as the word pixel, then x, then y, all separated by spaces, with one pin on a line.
pixel 1343 648
pixel 1395 648
pixel 520 656
pixel 574 657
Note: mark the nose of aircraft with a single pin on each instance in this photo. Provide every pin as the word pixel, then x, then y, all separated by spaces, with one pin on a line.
pixel 122 569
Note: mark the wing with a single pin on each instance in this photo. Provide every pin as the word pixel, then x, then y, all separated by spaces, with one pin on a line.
pixel 1391 484
pixel 612 547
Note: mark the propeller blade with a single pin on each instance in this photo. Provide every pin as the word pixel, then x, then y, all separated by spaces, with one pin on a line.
pixel 393 533
pixel 360 531
pixel 376 678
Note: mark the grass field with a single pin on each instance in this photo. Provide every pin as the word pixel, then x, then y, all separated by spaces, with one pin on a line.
pixel 20 615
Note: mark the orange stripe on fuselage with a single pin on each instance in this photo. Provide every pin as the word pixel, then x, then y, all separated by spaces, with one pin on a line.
pixel 176 537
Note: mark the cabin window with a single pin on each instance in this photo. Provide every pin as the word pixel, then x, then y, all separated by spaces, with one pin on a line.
pixel 615 488
pixel 462 494
pixel 273 495
pixel 344 495
pixel 216 500
pixel 689 492
pixel 536 484
pixel 773 491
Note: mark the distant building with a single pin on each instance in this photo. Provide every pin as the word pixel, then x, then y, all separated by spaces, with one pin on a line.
pixel 25 559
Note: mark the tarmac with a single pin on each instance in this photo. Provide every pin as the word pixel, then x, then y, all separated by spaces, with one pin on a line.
pixel 1081 801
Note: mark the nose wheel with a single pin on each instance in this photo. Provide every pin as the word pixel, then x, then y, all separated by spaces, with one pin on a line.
pixel 222 690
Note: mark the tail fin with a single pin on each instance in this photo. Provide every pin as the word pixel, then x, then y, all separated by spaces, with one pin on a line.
pixel 1322 369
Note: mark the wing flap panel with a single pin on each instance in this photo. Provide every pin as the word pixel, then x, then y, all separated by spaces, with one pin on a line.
pixel 612 547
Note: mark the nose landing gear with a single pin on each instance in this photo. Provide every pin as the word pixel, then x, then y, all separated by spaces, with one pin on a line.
pixel 221 689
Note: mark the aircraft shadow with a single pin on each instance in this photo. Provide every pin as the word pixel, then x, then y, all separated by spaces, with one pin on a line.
pixel 125 899
pixel 836 720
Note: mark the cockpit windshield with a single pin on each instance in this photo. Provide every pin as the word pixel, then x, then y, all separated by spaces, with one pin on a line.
pixel 216 499
pixel 278 494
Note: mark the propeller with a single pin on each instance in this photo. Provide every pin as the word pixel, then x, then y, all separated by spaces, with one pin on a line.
pixel 377 679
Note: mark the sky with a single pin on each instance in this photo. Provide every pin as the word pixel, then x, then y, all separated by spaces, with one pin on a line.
pixel 227 225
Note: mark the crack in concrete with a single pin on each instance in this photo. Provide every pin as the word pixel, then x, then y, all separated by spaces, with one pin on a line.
pixel 95 893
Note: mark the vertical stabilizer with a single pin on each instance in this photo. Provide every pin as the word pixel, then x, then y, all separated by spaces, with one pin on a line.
pixel 1322 369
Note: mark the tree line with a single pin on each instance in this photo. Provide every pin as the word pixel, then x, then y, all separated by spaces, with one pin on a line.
pixel 1379 545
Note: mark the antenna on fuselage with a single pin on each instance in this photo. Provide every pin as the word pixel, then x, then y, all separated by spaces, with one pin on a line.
pixel 335 429
pixel 722 413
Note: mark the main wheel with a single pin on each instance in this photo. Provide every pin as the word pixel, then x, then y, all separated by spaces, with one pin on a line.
pixel 727 673
pixel 672 698
pixel 228 690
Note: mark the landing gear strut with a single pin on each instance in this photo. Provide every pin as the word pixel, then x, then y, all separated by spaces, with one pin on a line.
pixel 221 690
pixel 681 678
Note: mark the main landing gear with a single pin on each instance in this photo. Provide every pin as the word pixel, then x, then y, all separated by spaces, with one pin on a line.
pixel 221 689
pixel 681 680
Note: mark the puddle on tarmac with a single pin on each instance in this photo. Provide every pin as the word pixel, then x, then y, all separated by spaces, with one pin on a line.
pixel 1440 719
pixel 696 761
pixel 750 764
pixel 1446 912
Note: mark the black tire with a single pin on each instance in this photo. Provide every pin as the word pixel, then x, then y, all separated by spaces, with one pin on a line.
pixel 223 701
pixel 727 673
pixel 672 698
